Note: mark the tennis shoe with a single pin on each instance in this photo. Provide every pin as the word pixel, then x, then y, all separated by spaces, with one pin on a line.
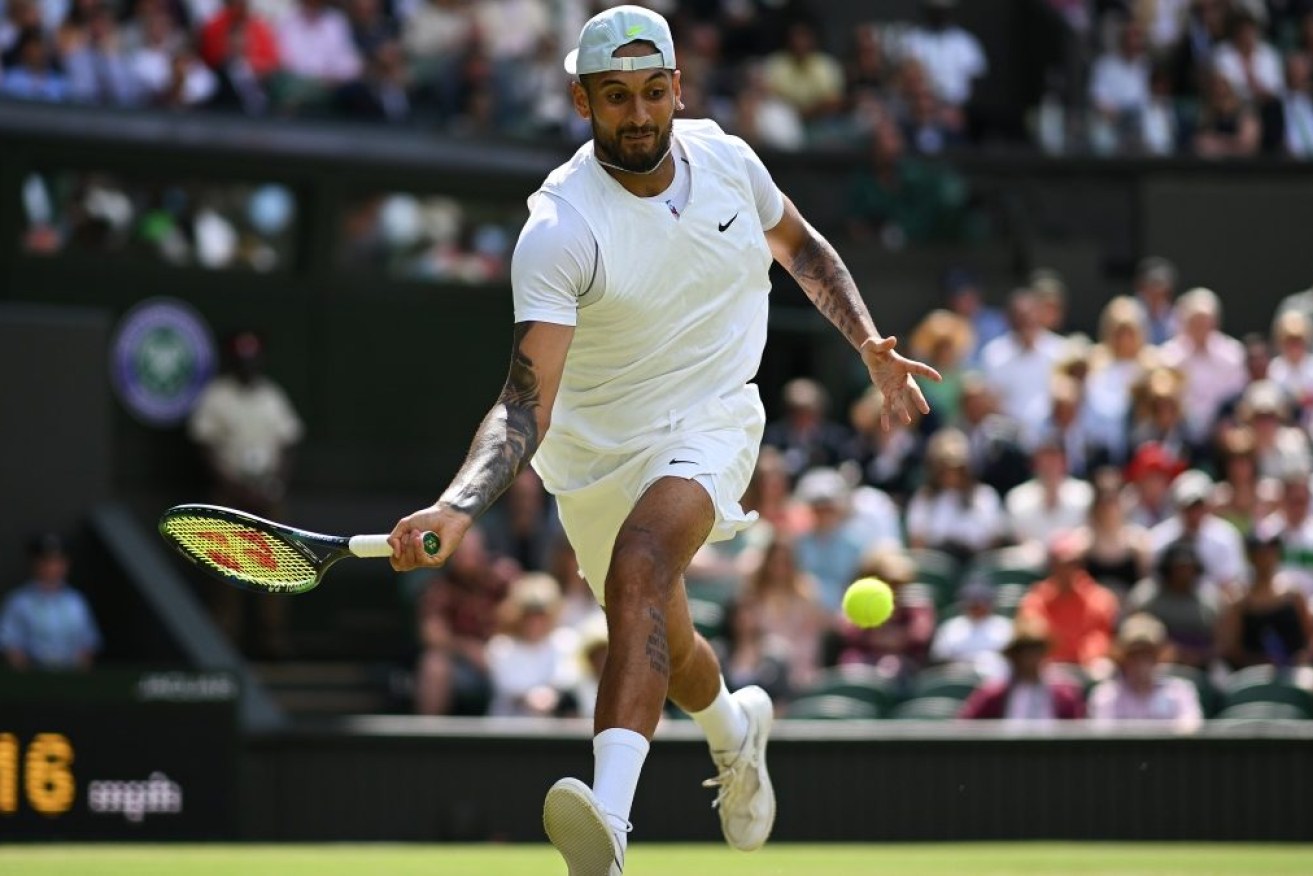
pixel 744 796
pixel 582 831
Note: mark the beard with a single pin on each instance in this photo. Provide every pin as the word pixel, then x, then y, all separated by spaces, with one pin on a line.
pixel 633 157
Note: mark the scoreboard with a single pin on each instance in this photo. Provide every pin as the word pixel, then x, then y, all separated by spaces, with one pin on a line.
pixel 115 754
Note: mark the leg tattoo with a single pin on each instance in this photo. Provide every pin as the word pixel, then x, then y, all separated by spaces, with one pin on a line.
pixel 658 649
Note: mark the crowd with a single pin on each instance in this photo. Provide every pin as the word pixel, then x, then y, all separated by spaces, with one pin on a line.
pixel 1109 526
pixel 1209 77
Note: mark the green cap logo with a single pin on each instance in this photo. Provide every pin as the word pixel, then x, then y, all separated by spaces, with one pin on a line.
pixel 633 30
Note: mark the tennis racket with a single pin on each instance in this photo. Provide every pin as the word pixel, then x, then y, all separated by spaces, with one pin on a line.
pixel 257 554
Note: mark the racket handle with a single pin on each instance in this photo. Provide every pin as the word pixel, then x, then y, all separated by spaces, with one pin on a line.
pixel 377 545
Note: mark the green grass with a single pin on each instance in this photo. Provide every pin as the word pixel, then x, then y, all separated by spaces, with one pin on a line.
pixel 1002 859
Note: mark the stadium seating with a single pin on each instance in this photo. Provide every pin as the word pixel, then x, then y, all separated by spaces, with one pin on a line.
pixel 831 707
pixel 858 682
pixel 928 709
pixel 952 681
pixel 1271 685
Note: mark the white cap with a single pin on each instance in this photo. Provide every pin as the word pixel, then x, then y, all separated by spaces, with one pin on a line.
pixel 618 26
pixel 1190 487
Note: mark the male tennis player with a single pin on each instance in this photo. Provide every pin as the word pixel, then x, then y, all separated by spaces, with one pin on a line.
pixel 641 288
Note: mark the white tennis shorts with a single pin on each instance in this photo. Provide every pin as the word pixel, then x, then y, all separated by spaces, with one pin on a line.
pixel 716 446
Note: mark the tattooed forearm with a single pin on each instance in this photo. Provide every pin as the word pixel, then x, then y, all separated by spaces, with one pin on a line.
pixel 822 275
pixel 505 440
pixel 658 649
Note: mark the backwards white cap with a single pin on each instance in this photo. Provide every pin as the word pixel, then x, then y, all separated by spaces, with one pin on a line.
pixel 618 26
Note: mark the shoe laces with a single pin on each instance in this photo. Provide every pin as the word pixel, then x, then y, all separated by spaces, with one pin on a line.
pixel 726 781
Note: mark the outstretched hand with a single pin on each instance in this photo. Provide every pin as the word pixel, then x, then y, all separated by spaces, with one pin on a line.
pixel 894 375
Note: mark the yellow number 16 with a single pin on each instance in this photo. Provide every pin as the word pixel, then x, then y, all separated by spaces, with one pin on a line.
pixel 48 780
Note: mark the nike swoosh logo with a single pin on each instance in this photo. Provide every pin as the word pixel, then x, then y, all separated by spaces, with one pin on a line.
pixel 681 462
pixel 726 225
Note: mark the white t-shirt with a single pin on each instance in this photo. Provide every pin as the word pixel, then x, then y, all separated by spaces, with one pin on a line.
pixel 941 519
pixel 980 643
pixel 952 57
pixel 1119 84
pixel 1032 520
pixel 246 426
pixel 668 300
pixel 1020 378
pixel 1265 64
pixel 516 667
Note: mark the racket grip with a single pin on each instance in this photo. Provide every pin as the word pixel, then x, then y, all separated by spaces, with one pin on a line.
pixel 377 545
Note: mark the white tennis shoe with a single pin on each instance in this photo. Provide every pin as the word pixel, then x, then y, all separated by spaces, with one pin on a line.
pixel 745 799
pixel 577 825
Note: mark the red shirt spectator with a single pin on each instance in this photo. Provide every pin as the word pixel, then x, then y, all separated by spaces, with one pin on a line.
pixel 1080 612
pixel 261 47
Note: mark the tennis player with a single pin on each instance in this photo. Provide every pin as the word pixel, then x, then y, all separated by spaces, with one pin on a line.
pixel 641 289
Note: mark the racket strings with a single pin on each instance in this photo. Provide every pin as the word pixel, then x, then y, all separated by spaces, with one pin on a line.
pixel 241 552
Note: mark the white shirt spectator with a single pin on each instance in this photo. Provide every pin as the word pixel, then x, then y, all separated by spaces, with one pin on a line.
pixel 1296 550
pixel 1020 378
pixel 1264 64
pixel 1106 403
pixel 1295 377
pixel 1299 124
pixel 516 667
pixel 978 642
pixel 1034 520
pixel 944 519
pixel 1220 548
pixel 1170 699
pixel 511 28
pixel 953 58
pixel 877 518
pixel 1213 374
pixel 1166 22
pixel 434 29
pixel 246 426
pixel 316 43
pixel 1120 84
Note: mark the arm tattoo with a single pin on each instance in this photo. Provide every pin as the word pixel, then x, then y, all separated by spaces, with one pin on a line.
pixel 505 440
pixel 658 649
pixel 822 275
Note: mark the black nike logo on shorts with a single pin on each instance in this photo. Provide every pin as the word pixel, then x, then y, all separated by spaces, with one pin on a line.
pixel 726 225
pixel 681 462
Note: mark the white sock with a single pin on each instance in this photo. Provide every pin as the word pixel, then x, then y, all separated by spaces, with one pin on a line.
pixel 723 722
pixel 618 756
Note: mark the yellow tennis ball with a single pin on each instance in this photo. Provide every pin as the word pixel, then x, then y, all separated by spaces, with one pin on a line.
pixel 868 602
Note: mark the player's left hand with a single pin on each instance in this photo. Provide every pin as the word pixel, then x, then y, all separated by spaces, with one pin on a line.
pixel 894 375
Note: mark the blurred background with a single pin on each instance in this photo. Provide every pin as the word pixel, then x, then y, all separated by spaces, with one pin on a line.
pixel 256 252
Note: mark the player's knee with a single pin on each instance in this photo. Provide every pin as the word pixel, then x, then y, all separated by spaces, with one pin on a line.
pixel 640 572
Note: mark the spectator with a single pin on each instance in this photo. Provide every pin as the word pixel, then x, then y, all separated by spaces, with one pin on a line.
pixel 751 655
pixel 1064 426
pixel 1173 596
pixel 1236 496
pixel 977 636
pixel 45 623
pixel 867 68
pixel 257 41
pixel 1050 292
pixel 1212 362
pixel 1297 105
pixel 239 87
pixel 965 297
pixel 1117 362
pixel 457 616
pixel 33 74
pixel 1079 612
pixel 806 436
pixel 805 77
pixel 996 455
pixel 158 39
pixel 889 459
pixel 1020 364
pixel 1270 622
pixel 1280 448
pixel 1119 91
pixel 371 26
pixel 943 339
pixel 763 119
pixel 832 550
pixel 530 663
pixel 98 69
pixel 1292 519
pixel 951 55
pixel 1161 124
pixel 899 646
pixel 1251 65
pixel 246 427
pixel 20 16
pixel 1155 285
pixel 1292 367
pixel 789 608
pixel 905 200
pixel 190 82
pixel 1227 127
pixel 1158 416
pixel 1163 21
pixel 316 45
pixel 435 32
pixel 1029 693
pixel 1150 474
pixel 383 92
pixel 1140 692
pixel 927 123
pixel 1049 503
pixel 1206 28
pixel 1221 550
pixel 1118 552
pixel 951 512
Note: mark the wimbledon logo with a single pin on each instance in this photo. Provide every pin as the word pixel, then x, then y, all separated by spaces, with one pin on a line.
pixel 161 357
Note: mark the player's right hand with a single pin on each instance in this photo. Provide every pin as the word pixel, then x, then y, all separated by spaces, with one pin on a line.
pixel 407 537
